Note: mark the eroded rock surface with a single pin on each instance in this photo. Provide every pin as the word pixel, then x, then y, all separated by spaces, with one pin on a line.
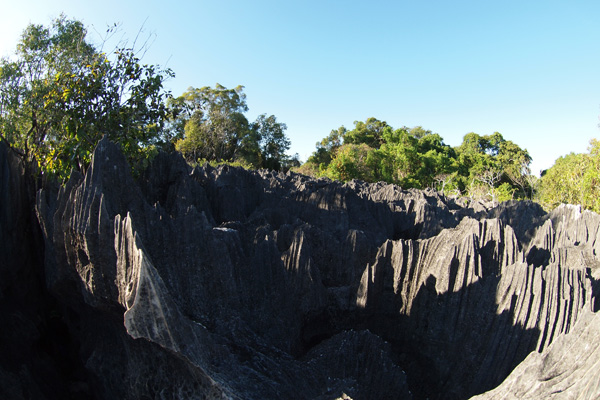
pixel 226 283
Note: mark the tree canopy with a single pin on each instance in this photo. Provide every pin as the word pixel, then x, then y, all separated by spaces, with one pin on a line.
pixel 61 94
pixel 573 179
pixel 482 166
pixel 209 124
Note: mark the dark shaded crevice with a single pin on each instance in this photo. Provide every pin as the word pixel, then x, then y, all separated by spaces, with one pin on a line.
pixel 318 328
pixel 595 284
pixel 538 257
pixel 443 358
pixel 36 342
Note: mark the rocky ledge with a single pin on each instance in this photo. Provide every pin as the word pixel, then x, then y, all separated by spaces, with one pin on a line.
pixel 224 283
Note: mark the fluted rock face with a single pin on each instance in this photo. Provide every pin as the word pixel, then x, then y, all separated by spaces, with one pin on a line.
pixel 225 283
pixel 568 368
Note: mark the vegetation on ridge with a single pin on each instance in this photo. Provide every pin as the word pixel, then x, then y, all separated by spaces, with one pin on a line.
pixel 482 166
pixel 209 125
pixel 61 94
pixel 573 179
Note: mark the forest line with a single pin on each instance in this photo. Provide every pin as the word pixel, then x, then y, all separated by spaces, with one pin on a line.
pixel 60 94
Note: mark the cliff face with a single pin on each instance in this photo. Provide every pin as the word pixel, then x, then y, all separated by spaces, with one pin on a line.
pixel 225 283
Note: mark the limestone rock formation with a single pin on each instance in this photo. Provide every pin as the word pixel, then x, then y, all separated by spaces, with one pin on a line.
pixel 226 283
pixel 568 368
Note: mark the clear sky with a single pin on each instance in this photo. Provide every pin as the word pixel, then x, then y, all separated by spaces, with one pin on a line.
pixel 527 69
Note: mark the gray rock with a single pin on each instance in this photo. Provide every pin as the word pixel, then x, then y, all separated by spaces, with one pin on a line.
pixel 568 369
pixel 227 283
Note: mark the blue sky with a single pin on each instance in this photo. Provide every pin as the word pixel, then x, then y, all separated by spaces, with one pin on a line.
pixel 527 69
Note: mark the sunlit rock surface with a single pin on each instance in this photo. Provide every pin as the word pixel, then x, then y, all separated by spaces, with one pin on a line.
pixel 226 283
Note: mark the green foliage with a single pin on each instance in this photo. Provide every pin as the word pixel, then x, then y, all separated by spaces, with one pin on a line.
pixel 352 161
pixel 504 192
pixel 209 124
pixel 269 137
pixel 213 122
pixel 494 162
pixel 61 95
pixel 573 179
pixel 327 148
pixel 374 151
pixel 482 166
pixel 370 132
pixel 215 163
pixel 417 160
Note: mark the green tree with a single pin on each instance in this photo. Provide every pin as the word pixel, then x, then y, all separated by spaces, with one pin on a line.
pixel 209 124
pixel 213 123
pixel 60 95
pixel 486 163
pixel 408 157
pixel 399 158
pixel 562 182
pixel 435 159
pixel 482 166
pixel 371 132
pixel 591 178
pixel 419 132
pixel 325 152
pixel 273 143
pixel 573 179
pixel 353 161
pixel 415 157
